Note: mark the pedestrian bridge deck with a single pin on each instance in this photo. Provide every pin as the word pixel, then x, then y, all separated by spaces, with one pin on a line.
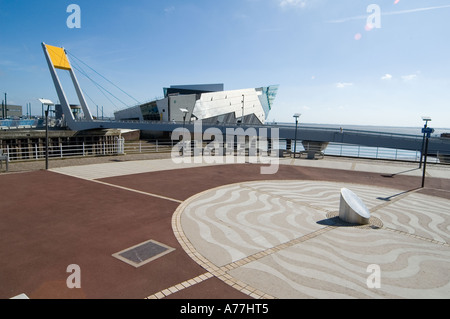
pixel 285 132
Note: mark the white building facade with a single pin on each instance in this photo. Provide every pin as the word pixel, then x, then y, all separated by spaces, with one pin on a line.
pixel 207 103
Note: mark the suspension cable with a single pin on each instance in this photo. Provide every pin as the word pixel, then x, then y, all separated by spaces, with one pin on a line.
pixel 103 77
pixel 99 87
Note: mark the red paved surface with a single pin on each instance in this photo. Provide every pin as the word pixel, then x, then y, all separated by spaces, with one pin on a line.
pixel 181 184
pixel 49 221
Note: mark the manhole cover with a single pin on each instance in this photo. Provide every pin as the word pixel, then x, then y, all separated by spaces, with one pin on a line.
pixel 143 253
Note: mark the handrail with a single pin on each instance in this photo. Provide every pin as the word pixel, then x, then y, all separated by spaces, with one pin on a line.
pixel 338 130
pixel 119 146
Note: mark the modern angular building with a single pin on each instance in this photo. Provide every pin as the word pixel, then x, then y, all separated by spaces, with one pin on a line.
pixel 208 102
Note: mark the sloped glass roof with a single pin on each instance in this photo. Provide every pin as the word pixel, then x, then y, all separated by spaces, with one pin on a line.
pixel 268 97
pixel 271 94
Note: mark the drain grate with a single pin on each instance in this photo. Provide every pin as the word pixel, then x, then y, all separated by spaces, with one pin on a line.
pixel 143 253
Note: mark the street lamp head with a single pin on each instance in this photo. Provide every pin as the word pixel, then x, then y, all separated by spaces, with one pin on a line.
pixel 184 110
pixel 297 115
pixel 426 118
pixel 46 102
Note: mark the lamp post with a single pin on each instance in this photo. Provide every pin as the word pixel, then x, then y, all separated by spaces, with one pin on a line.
pixel 426 131
pixel 296 116
pixel 426 119
pixel 48 103
pixel 243 100
pixel 185 112
pixel 6 107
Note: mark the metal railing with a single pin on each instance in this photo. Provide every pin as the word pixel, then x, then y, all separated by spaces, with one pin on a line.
pixel 38 151
pixel 359 151
pixel 381 153
pixel 32 152
pixel 155 146
pixel 355 131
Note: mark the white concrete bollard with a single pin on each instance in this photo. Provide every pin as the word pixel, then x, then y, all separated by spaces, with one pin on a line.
pixel 352 209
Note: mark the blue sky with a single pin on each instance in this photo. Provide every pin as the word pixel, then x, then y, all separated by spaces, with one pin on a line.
pixel 329 65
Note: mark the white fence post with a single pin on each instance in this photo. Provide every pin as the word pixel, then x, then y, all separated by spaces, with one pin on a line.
pixel 121 146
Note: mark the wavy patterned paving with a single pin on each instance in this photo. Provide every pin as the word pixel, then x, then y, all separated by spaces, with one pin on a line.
pixel 231 223
pixel 429 218
pixel 268 235
pixel 335 265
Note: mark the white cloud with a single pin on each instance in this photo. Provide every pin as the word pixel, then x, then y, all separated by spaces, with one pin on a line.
pixel 409 77
pixel 416 10
pixel 292 3
pixel 363 17
pixel 342 85
pixel 405 78
pixel 169 9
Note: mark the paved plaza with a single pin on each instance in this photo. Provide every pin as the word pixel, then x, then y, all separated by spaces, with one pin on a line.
pixel 224 231
pixel 283 240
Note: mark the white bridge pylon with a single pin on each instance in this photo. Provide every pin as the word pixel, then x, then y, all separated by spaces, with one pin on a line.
pixel 57 59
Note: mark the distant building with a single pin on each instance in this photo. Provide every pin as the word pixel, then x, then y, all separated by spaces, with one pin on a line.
pixel 11 111
pixel 206 102
pixel 76 111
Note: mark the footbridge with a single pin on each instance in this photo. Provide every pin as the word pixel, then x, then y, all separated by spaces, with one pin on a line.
pixel 437 145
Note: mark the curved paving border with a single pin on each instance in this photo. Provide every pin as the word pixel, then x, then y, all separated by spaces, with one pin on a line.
pixel 299 212
pixel 219 272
